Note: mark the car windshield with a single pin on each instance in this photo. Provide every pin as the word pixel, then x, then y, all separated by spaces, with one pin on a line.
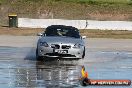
pixel 62 31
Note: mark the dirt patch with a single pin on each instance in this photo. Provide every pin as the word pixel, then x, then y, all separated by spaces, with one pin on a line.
pixel 106 16
pixel 20 31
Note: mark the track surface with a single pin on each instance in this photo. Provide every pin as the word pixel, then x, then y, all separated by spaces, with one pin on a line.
pixel 105 59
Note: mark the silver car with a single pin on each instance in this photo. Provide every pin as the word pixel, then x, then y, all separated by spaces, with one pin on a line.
pixel 60 41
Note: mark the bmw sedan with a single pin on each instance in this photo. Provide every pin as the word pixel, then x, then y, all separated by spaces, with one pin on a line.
pixel 60 41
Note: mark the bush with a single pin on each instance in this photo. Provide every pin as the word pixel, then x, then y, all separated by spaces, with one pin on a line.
pixel 130 2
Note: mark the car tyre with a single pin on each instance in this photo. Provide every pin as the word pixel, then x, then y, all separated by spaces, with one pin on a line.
pixel 83 53
pixel 37 56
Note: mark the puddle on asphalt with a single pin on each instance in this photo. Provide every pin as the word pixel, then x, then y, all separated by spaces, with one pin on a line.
pixel 19 68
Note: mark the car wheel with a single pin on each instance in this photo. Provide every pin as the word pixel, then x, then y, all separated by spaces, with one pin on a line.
pixel 37 56
pixel 83 53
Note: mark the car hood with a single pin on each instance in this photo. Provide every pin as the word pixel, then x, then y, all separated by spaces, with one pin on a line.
pixel 61 40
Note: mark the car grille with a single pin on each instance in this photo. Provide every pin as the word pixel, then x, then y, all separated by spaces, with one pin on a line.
pixel 55 46
pixel 65 47
pixel 60 55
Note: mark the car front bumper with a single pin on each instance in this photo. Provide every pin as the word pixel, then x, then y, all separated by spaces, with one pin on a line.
pixel 50 52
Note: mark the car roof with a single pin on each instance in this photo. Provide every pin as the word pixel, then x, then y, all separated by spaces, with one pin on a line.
pixel 61 26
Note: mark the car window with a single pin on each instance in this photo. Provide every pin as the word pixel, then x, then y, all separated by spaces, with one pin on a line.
pixel 62 31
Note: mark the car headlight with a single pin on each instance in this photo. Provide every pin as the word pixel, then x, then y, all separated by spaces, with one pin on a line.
pixel 77 45
pixel 44 44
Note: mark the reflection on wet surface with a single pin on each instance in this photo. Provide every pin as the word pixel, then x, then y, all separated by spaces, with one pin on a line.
pixel 57 75
pixel 19 68
pixel 47 76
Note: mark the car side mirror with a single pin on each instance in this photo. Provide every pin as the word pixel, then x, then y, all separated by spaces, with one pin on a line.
pixel 84 37
pixel 40 34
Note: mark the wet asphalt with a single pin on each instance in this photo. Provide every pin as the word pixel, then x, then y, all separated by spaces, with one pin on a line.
pixel 20 69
